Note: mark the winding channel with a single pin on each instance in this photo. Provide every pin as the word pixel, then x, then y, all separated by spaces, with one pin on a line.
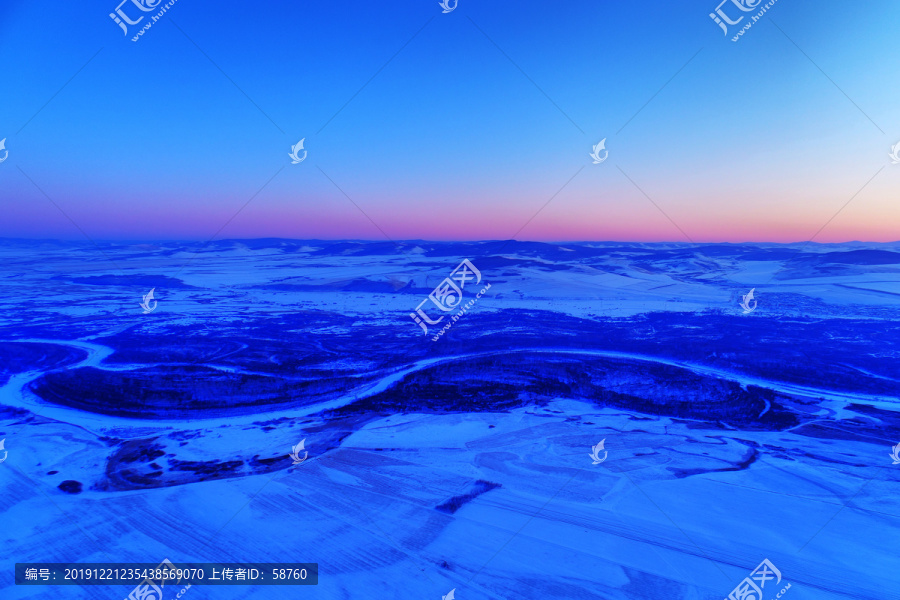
pixel 15 394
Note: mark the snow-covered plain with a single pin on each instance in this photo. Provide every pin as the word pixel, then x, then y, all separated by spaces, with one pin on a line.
pixel 464 462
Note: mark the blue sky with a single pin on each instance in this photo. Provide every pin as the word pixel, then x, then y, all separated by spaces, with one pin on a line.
pixel 464 125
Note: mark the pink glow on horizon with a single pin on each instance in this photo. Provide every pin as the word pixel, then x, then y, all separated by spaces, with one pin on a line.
pixel 186 222
pixel 338 231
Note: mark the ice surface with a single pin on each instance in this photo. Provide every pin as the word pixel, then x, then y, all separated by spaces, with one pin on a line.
pixel 732 437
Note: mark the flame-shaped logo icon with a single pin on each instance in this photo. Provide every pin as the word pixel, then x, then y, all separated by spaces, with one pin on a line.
pixel 449 595
pixel 895 454
pixel 445 4
pixel 145 303
pixel 296 450
pixel 6 152
pixel 596 153
pixel 295 149
pixel 895 153
pixel 6 452
pixel 745 302
pixel 595 452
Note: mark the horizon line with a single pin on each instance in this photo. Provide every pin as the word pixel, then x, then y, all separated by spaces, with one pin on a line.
pixel 427 241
